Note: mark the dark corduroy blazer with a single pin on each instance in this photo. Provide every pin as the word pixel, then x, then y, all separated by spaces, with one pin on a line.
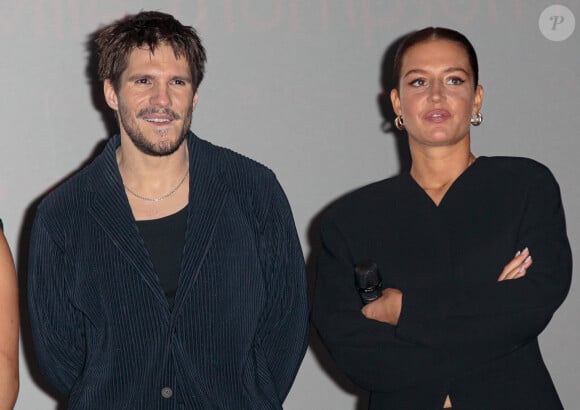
pixel 102 328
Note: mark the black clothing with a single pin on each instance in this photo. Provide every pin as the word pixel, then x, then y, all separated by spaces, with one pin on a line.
pixel 164 239
pixel 460 332
pixel 101 324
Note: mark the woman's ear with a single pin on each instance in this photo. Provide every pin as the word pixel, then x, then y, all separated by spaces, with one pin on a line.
pixel 478 100
pixel 396 101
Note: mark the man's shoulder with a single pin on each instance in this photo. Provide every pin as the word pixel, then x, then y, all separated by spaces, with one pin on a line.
pixel 232 163
pixel 241 174
pixel 71 192
pixel 65 198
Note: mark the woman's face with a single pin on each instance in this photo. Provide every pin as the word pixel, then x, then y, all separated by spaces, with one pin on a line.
pixel 436 95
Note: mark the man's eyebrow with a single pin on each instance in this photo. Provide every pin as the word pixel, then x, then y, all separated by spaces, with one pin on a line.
pixel 138 76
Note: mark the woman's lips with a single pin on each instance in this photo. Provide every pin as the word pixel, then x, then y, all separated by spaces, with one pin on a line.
pixel 437 115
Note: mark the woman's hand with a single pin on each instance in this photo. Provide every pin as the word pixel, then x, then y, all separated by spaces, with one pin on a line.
pixel 387 308
pixel 517 267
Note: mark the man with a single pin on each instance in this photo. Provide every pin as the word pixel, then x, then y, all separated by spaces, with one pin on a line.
pixel 167 274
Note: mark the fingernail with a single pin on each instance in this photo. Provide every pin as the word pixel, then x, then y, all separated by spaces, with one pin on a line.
pixel 526 250
pixel 528 259
pixel 522 269
pixel 517 254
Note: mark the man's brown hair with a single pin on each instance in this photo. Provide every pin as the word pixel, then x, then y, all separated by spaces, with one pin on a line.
pixel 149 29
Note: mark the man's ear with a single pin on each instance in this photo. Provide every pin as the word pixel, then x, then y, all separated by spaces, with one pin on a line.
pixel 195 98
pixel 110 95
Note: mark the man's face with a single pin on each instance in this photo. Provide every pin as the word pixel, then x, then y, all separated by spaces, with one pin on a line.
pixel 154 100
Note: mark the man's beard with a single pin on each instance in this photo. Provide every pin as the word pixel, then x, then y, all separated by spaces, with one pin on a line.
pixel 153 148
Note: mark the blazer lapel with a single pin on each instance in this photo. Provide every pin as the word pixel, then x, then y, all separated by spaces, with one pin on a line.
pixel 110 208
pixel 207 195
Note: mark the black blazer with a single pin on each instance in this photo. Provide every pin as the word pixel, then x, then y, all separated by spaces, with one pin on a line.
pixel 102 327
pixel 461 332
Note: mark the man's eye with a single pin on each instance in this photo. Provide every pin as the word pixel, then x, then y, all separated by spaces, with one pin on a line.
pixel 142 81
pixel 179 82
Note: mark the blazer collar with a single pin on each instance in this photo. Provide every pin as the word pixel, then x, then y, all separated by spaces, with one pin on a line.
pixel 110 208
pixel 207 196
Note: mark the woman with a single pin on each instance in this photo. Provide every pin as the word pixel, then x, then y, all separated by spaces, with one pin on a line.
pixel 8 327
pixel 457 323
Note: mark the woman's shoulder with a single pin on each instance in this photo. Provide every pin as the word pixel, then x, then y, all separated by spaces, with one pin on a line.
pixel 520 167
pixel 365 199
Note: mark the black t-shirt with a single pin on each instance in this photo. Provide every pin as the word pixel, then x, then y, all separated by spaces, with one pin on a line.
pixel 164 239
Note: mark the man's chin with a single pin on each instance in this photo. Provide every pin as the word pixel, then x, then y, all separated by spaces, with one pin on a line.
pixel 156 143
pixel 167 147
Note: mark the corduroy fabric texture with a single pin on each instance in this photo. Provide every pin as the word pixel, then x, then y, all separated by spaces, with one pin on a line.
pixel 102 328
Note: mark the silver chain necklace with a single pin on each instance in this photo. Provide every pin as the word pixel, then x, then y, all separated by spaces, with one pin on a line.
pixel 162 197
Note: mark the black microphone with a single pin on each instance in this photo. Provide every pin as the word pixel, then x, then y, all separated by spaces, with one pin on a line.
pixel 368 281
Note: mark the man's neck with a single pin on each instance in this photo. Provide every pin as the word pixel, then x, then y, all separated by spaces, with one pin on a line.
pixel 156 186
pixel 150 170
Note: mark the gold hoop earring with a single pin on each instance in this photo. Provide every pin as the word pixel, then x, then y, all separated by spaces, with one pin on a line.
pixel 399 123
pixel 476 119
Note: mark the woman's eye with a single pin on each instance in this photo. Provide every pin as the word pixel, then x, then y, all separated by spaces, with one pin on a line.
pixel 417 83
pixel 455 81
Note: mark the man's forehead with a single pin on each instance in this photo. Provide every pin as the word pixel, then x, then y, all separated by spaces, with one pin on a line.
pixel 156 48
pixel 163 54
pixel 161 61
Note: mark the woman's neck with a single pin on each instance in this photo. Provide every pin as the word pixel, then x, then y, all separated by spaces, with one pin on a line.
pixel 435 170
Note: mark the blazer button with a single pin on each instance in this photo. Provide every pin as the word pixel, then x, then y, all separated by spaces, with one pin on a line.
pixel 166 392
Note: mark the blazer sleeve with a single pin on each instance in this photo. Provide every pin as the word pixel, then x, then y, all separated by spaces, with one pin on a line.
pixel 283 333
pixel 495 318
pixel 368 351
pixel 57 327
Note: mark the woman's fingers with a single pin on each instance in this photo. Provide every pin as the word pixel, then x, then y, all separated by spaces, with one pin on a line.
pixel 517 267
pixel 519 271
pixel 385 309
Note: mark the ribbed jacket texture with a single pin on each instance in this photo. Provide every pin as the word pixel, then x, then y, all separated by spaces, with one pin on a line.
pixel 102 328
